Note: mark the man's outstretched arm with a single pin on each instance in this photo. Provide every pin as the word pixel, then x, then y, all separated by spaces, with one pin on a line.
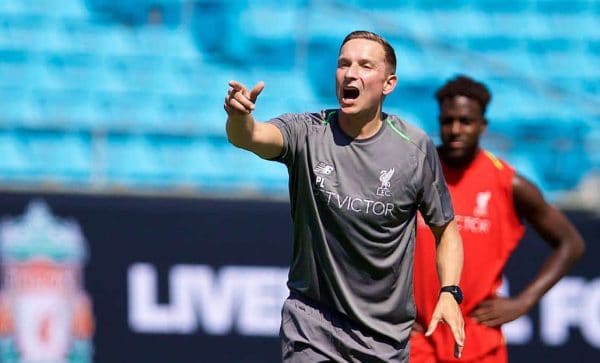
pixel 554 227
pixel 449 259
pixel 263 139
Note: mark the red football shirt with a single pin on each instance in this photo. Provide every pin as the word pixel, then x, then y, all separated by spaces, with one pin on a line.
pixel 490 229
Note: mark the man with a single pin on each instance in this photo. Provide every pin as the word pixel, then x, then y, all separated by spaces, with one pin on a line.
pixel 357 178
pixel 490 201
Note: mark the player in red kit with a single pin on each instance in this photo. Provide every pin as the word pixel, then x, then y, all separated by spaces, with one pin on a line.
pixel 491 203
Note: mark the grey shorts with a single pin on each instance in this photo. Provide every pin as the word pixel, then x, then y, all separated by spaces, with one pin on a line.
pixel 310 333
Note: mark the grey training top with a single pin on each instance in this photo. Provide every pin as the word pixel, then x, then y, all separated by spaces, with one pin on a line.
pixel 354 205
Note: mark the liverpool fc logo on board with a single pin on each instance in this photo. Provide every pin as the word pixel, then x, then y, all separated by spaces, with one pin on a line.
pixel 45 314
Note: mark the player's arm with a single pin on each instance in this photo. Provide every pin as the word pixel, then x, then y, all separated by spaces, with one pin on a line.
pixel 449 260
pixel 243 131
pixel 558 232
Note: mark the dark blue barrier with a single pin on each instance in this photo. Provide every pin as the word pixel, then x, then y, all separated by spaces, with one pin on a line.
pixel 197 280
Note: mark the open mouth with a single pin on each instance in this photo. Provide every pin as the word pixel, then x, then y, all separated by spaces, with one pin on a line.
pixel 350 93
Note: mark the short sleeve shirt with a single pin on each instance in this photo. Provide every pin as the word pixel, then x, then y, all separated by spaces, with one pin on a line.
pixel 354 204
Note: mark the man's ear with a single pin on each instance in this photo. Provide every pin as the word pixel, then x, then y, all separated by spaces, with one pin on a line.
pixel 485 125
pixel 390 84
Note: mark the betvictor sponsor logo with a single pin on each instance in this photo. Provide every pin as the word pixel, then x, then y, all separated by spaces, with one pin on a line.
pixel 242 299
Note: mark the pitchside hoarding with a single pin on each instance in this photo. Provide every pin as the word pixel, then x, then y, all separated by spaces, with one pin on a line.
pixel 132 279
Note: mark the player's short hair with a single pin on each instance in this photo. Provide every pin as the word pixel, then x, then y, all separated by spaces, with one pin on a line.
pixel 390 54
pixel 465 86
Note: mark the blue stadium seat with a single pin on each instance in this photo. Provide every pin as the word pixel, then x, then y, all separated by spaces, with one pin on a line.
pixel 187 113
pixel 458 23
pixel 264 36
pixel 117 40
pixel 509 64
pixel 130 160
pixel 526 166
pixel 575 7
pixel 574 64
pixel 128 112
pixel 574 26
pixel 82 35
pixel 98 65
pixel 221 16
pixel 163 42
pixel 213 164
pixel 411 62
pixel 13 164
pixel 11 7
pixel 521 25
pixel 492 43
pixel 67 8
pixel 15 74
pixel 20 108
pixel 58 156
pixel 22 32
pixel 551 45
pixel 141 73
pixel 592 144
pixel 245 170
pixel 434 5
pixel 67 109
pixel 70 71
pixel 554 148
pixel 510 7
pixel 174 156
pixel 208 168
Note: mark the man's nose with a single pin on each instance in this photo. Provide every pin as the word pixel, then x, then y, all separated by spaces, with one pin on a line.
pixel 351 71
pixel 455 126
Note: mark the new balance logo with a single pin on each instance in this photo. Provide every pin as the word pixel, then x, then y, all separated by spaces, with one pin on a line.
pixel 323 168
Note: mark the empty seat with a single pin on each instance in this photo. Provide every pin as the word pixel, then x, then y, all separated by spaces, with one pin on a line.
pixel 592 144
pixel 209 167
pixel 163 42
pixel 129 160
pixel 19 108
pixel 188 113
pixel 128 112
pixel 58 156
pixel 66 8
pixel 13 164
pixel 575 7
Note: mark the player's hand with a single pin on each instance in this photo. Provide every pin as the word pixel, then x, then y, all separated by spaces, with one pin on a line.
pixel 241 101
pixel 447 311
pixel 418 328
pixel 499 310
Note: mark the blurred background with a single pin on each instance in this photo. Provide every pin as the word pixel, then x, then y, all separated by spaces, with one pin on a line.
pixel 113 152
pixel 108 95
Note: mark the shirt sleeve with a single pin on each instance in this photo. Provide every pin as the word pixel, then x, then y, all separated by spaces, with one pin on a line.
pixel 435 203
pixel 293 130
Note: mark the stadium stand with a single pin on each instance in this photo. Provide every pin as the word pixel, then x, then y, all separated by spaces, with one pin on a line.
pixel 128 94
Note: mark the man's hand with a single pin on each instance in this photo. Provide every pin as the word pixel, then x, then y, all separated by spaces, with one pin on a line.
pixel 500 310
pixel 447 311
pixel 239 101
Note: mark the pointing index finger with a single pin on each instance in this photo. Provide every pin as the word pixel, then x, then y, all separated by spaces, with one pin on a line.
pixel 237 85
